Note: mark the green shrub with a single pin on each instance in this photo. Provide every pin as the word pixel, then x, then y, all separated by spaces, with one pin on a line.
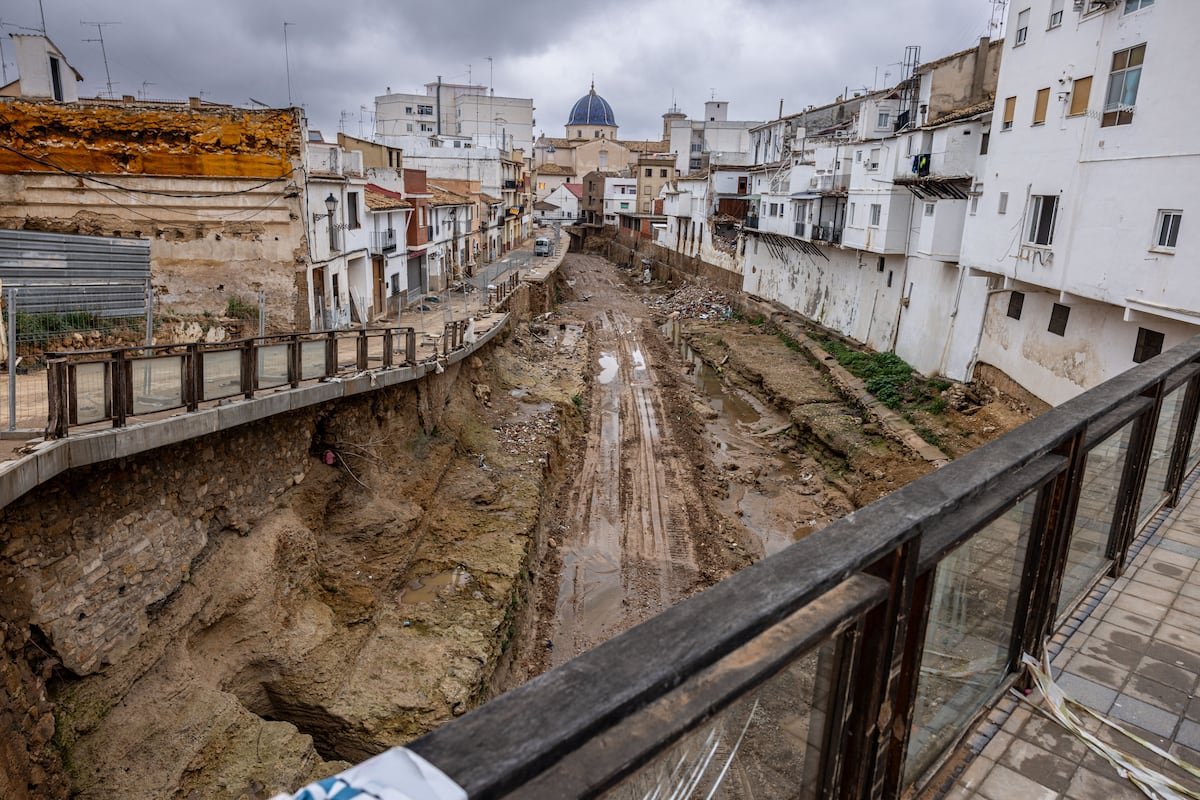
pixel 238 307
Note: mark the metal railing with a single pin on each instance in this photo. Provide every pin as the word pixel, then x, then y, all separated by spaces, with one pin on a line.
pixel 383 241
pixel 88 387
pixel 826 233
pixel 850 664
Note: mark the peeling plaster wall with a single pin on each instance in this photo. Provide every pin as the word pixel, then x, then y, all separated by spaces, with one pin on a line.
pixel 1098 344
pixel 847 293
pixel 939 326
pixel 203 249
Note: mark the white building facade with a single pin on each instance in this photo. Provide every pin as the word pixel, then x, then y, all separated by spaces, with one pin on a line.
pixel 1082 217
pixel 338 277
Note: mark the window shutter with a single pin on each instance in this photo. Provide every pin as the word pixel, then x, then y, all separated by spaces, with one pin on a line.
pixel 1010 111
pixel 1081 90
pixel 1039 107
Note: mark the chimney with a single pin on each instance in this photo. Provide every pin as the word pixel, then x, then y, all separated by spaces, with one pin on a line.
pixel 194 102
pixel 126 98
pixel 979 75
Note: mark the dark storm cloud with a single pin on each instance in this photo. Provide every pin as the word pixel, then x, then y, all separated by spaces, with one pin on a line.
pixel 751 53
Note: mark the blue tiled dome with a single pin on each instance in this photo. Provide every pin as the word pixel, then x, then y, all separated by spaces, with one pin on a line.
pixel 592 109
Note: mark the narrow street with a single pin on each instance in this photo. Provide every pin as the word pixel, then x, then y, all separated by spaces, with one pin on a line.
pixel 630 548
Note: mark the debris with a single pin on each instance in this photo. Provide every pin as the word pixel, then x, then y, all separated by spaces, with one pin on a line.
pixel 692 302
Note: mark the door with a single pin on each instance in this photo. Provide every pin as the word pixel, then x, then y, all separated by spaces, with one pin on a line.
pixel 380 289
pixel 319 303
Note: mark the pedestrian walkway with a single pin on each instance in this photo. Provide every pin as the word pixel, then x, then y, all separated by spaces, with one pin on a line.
pixel 1130 652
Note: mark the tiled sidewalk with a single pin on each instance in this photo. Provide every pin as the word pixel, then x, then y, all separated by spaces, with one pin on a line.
pixel 1132 653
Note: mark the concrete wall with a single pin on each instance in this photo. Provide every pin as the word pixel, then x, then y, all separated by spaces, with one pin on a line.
pixel 203 249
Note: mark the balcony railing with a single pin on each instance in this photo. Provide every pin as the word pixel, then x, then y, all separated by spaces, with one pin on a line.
pixel 879 639
pixel 383 241
pixel 510 184
pixel 751 222
pixel 830 183
pixel 826 233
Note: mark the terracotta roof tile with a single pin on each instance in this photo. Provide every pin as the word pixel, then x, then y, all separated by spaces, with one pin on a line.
pixel 380 199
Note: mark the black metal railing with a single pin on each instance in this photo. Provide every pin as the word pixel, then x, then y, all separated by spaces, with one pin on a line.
pixel 383 241
pixel 850 663
pixel 826 233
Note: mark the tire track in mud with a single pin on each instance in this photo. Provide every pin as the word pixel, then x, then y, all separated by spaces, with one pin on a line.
pixel 629 549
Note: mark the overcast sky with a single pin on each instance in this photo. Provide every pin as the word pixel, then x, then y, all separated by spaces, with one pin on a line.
pixel 752 53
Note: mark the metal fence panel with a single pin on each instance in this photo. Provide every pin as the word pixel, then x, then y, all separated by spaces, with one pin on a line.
pixel 107 274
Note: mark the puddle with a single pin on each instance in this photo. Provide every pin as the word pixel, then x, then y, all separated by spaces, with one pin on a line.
pixel 428 588
pixel 639 361
pixel 762 482
pixel 608 368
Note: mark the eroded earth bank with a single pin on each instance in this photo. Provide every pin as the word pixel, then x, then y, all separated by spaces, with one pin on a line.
pixel 237 615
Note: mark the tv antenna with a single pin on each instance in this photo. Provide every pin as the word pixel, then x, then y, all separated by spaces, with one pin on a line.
pixel 996 26
pixel 287 62
pixel 103 52
pixel 145 92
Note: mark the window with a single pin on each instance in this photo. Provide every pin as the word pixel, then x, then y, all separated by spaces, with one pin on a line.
pixel 1042 210
pixel 1039 106
pixel 1002 208
pixel 858 156
pixel 352 210
pixel 1056 12
pixel 974 205
pixel 1022 28
pixel 56 79
pixel 875 154
pixel 649 172
pixel 1136 5
pixel 1168 229
pixel 662 173
pixel 885 118
pixel 1149 344
pixel 426 110
pixel 879 264
pixel 929 209
pixel 624 205
pixel 876 213
pixel 1010 111
pixel 852 208
pixel 337 295
pixel 1123 86
pixel 889 282
pixel 984 141
pixel 1058 319
pixel 408 126
pixel 1081 88
pixel 408 109
pixel 1016 303
pixel 578 134
pixel 425 128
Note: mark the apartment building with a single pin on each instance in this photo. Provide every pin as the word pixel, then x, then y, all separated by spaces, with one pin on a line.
pixel 1090 170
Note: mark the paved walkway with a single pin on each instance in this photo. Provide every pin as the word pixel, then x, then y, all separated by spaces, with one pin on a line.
pixel 1130 652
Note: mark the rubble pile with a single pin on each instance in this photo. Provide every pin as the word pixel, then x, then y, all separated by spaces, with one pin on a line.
pixel 529 434
pixel 692 302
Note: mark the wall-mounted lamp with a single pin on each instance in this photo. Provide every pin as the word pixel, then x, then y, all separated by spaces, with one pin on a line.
pixel 331 204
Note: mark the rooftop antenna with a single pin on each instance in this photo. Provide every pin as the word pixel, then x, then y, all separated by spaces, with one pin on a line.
pixel 287 62
pixel 491 88
pixel 42 11
pixel 258 103
pixel 712 93
pixel 145 92
pixel 996 26
pixel 104 53
pixel 342 116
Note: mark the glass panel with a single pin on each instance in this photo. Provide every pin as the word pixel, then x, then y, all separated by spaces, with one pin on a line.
pixel 222 373
pixel 765 744
pixel 91 397
pixel 312 360
pixel 272 365
pixel 966 657
pixel 1098 491
pixel 1154 489
pixel 1194 453
pixel 157 383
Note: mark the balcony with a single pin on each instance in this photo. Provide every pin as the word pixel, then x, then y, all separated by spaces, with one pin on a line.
pixel 510 185
pixel 383 241
pixel 826 233
pixel 751 222
pixel 831 184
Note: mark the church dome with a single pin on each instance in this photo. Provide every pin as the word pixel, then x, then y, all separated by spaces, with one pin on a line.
pixel 592 109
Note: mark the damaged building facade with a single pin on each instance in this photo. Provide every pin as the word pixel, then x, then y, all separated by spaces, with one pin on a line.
pixel 216 190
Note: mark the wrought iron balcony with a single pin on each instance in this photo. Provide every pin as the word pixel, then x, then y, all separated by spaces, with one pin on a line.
pixel 383 241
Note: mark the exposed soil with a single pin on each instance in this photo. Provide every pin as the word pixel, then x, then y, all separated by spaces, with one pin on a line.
pixel 604 462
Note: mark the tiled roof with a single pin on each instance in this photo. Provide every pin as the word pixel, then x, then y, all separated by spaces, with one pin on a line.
pixel 574 188
pixel 444 197
pixel 487 199
pixel 381 199
pixel 637 146
pixel 962 113
pixel 554 169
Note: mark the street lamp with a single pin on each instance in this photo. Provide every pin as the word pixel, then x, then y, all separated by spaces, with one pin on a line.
pixel 331 204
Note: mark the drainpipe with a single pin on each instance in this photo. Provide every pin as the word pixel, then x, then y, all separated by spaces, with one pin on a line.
pixel 439 106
